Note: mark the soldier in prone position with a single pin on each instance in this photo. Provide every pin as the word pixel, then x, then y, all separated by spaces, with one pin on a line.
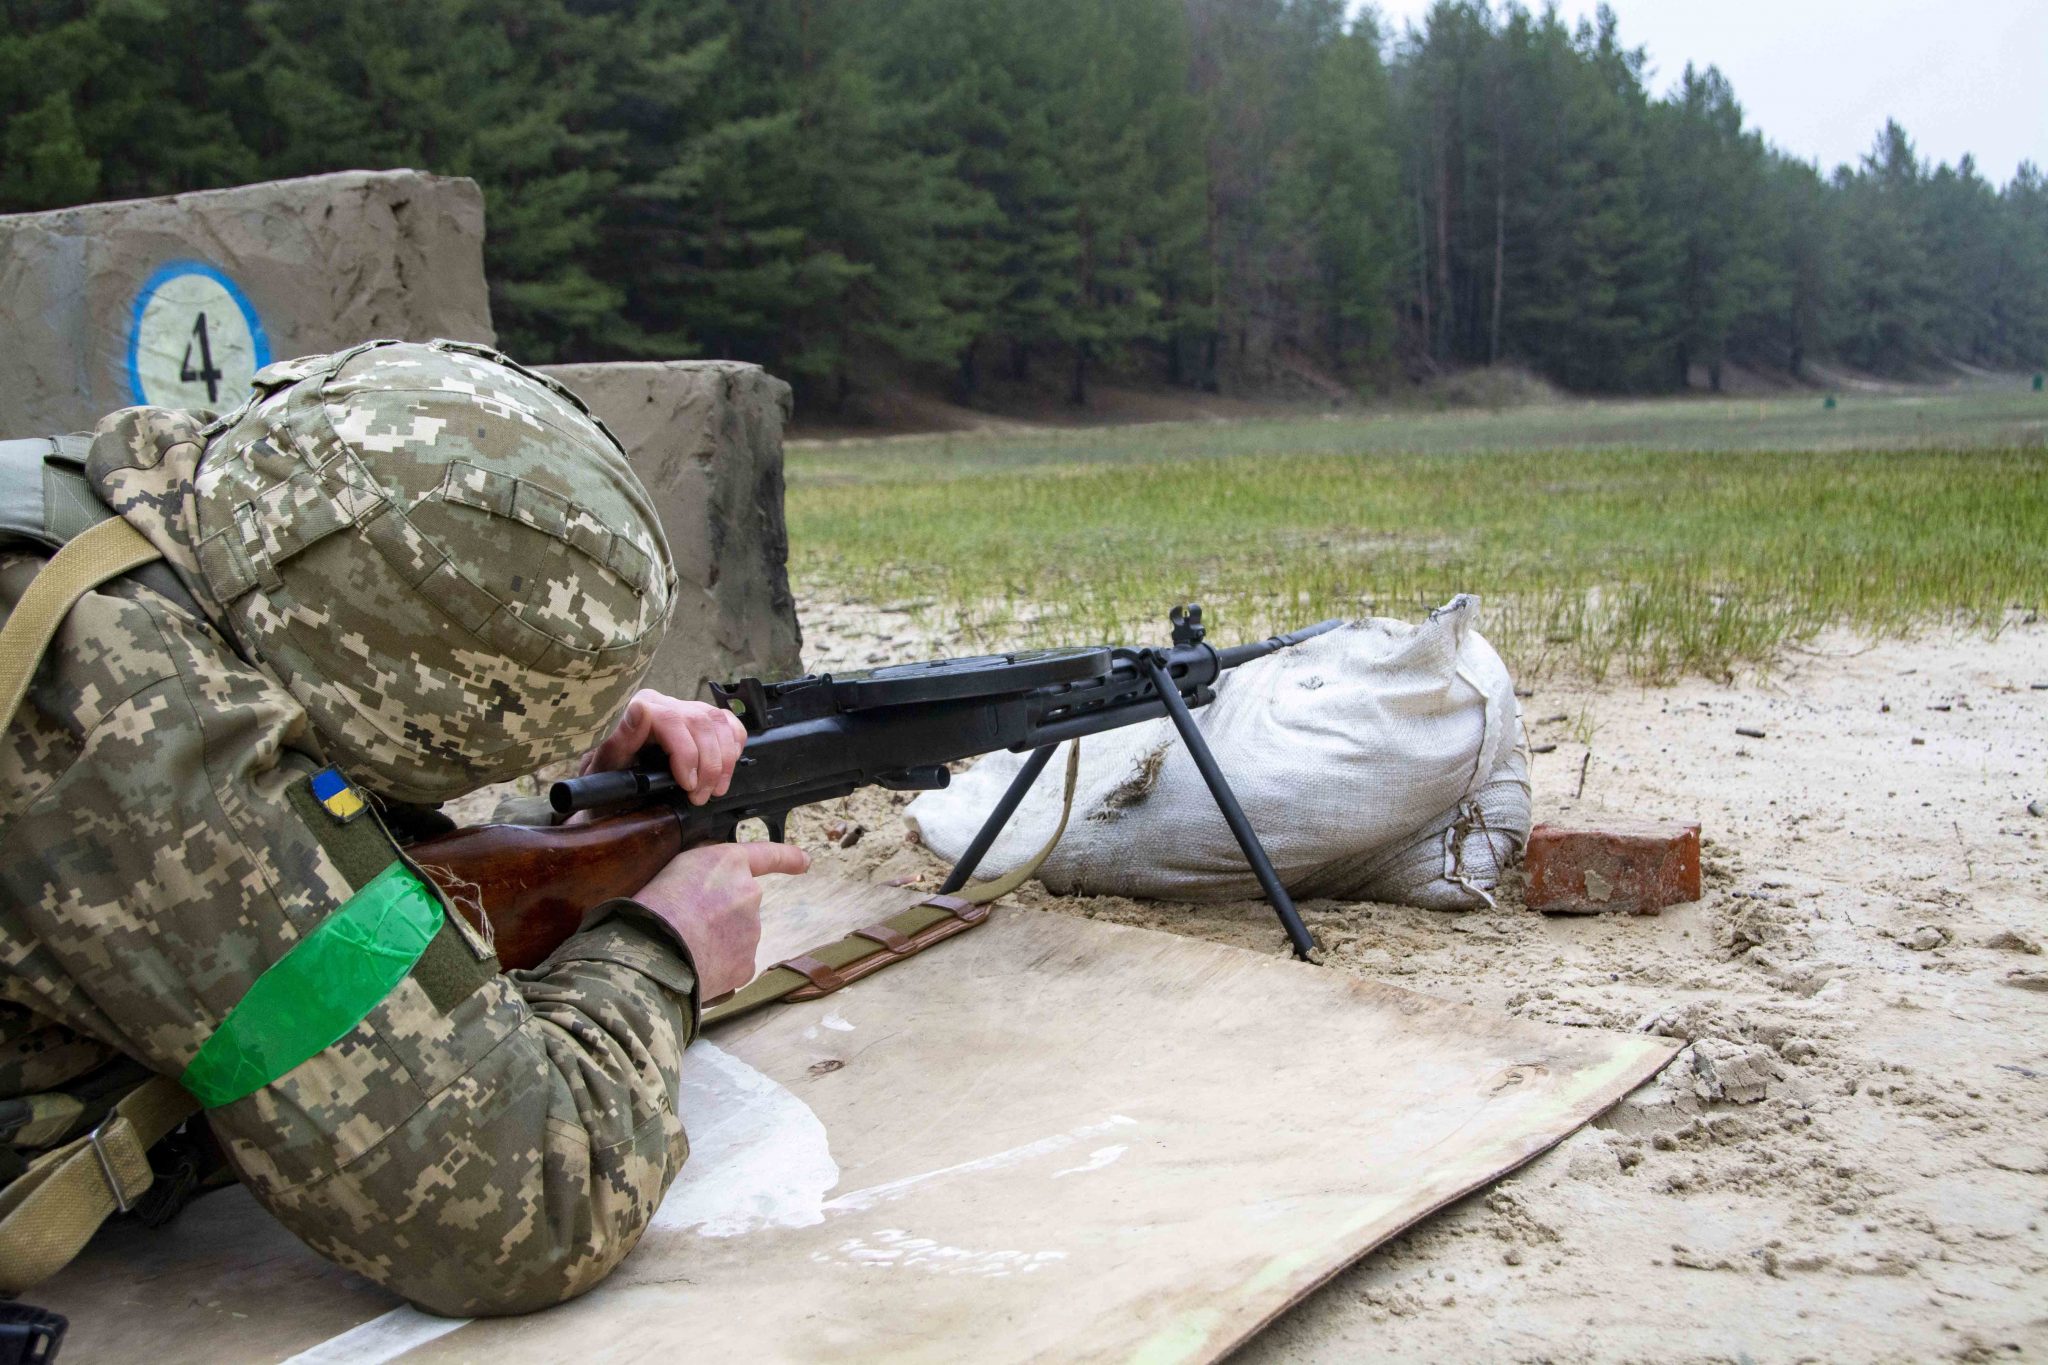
pixel 402 571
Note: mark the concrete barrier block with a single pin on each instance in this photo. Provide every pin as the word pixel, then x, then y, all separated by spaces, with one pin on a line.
pixel 706 439
pixel 178 300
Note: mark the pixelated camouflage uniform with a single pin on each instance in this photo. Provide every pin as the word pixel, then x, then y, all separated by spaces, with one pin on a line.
pixel 492 1145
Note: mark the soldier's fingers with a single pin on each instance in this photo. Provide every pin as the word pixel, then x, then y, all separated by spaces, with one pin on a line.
pixel 765 858
pixel 626 737
pixel 672 732
pixel 736 737
pixel 729 746
pixel 714 752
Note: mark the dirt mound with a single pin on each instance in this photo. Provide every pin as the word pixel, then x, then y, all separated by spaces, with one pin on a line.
pixel 1747 381
pixel 1493 387
pixel 1015 408
pixel 1948 374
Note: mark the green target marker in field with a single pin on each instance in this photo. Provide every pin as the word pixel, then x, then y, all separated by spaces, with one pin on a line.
pixel 194 340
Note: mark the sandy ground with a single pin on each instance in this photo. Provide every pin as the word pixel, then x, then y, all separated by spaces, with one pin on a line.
pixel 1849 1161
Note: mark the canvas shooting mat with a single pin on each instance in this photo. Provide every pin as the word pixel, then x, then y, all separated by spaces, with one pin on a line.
pixel 1046 1138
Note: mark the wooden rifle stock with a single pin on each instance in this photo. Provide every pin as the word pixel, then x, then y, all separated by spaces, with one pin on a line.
pixel 534 885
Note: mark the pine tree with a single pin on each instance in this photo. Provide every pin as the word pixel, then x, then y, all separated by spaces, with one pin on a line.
pixel 120 100
pixel 502 90
pixel 1346 184
pixel 1886 313
pixel 1787 318
pixel 1960 214
pixel 1598 308
pixel 2019 307
pixel 1129 153
pixel 1711 176
pixel 1447 73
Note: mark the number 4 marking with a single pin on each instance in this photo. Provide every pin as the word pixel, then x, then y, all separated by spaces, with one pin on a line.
pixel 206 373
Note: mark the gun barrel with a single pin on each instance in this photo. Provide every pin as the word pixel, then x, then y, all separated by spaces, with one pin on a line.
pixel 609 789
pixel 1244 654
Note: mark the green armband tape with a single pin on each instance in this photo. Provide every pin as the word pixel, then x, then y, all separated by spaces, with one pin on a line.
pixel 322 988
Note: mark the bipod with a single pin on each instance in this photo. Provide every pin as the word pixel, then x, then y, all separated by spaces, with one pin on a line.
pixel 1187 631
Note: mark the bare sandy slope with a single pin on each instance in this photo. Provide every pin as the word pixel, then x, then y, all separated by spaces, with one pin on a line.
pixel 1849 1163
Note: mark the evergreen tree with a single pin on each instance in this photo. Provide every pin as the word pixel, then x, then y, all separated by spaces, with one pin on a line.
pixel 1960 215
pixel 996 78
pixel 1447 80
pixel 1130 155
pixel 1598 309
pixel 1886 313
pixel 120 99
pixel 1712 180
pixel 1345 188
pixel 501 90
pixel 1787 319
pixel 2019 304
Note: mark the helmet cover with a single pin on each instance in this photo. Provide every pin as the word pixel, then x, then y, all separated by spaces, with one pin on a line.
pixel 444 557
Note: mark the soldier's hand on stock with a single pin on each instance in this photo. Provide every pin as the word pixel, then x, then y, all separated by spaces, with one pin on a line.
pixel 703 742
pixel 710 897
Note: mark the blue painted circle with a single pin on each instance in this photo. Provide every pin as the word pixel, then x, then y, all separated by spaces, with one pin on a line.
pixel 165 274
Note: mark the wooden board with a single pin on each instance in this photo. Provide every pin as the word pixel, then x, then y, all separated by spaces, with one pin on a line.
pixel 1047 1138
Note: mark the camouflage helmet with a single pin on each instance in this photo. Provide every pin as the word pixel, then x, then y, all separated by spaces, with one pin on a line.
pixel 443 555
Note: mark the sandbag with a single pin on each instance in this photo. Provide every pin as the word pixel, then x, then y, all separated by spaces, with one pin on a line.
pixel 1382 761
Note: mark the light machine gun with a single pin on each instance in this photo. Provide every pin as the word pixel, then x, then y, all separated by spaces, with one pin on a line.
pixel 823 736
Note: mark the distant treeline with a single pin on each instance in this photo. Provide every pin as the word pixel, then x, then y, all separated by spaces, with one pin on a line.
pixel 1222 192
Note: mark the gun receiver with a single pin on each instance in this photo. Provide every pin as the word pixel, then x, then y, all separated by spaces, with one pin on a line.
pixel 819 737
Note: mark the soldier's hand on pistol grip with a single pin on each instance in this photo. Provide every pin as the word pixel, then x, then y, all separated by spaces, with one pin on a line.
pixel 710 898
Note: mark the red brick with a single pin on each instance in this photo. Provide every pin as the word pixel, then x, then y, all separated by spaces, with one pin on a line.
pixel 1639 866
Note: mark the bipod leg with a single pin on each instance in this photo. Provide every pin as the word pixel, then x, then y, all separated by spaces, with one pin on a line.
pixel 1226 801
pixel 997 818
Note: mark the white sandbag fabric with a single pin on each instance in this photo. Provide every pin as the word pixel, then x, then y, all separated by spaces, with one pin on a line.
pixel 1382 761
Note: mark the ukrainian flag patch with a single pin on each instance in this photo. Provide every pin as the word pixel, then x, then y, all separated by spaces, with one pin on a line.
pixel 336 796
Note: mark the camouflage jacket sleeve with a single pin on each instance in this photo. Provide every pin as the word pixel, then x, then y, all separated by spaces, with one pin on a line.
pixel 496 1152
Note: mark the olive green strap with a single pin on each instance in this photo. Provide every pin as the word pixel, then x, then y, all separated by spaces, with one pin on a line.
pixel 105 551
pixel 978 892
pixel 824 970
pixel 51 1211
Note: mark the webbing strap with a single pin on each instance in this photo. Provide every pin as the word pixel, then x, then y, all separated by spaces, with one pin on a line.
pixel 50 1211
pixel 977 892
pixel 105 551
pixel 824 970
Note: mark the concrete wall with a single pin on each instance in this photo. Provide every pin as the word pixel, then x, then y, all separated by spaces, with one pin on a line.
pixel 706 439
pixel 101 301
pixel 102 304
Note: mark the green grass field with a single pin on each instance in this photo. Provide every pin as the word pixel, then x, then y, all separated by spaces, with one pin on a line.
pixel 1653 538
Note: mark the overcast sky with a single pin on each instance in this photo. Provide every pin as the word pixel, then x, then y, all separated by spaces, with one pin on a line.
pixel 1819 77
